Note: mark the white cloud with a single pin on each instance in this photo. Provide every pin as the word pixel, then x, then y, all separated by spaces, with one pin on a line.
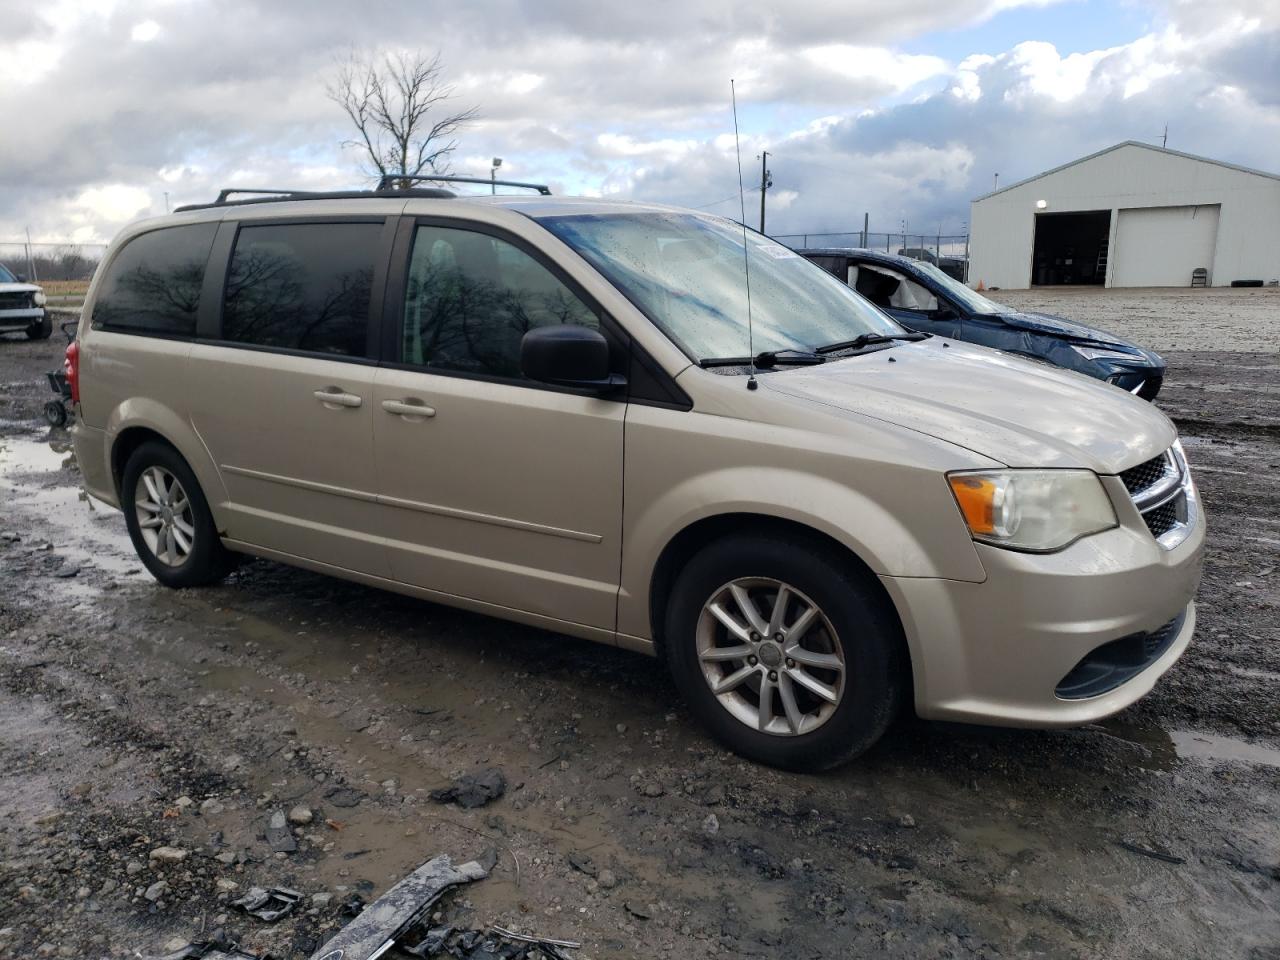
pixel 900 71
pixel 144 31
pixel 635 103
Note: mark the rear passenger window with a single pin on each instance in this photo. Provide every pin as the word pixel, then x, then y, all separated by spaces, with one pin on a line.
pixel 471 298
pixel 153 284
pixel 302 287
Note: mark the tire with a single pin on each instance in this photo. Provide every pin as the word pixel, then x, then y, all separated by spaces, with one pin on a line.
pixel 854 624
pixel 160 547
pixel 41 330
pixel 56 413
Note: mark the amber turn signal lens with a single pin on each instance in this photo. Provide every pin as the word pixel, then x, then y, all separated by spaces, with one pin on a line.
pixel 976 496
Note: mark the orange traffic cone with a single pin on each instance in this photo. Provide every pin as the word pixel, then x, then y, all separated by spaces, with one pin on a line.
pixel 981 286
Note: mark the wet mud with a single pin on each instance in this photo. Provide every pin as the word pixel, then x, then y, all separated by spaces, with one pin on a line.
pixel 135 718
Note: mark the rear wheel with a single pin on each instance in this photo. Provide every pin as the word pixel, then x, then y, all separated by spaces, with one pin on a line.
pixel 169 519
pixel 784 651
pixel 56 413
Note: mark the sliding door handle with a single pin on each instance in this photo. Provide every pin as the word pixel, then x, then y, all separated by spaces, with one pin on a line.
pixel 335 397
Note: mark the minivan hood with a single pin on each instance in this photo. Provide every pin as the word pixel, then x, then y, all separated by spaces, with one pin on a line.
pixel 19 287
pixel 1021 413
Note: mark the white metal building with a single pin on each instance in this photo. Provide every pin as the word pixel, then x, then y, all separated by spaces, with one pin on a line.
pixel 1133 215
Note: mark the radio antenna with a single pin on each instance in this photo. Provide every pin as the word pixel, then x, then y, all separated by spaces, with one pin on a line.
pixel 746 261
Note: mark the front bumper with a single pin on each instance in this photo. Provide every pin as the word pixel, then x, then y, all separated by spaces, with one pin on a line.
pixel 1144 382
pixel 999 651
pixel 20 319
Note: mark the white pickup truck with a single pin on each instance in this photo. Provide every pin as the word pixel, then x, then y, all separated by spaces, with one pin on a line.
pixel 22 307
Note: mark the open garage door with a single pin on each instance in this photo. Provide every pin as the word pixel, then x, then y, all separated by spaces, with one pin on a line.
pixel 1160 246
pixel 1070 248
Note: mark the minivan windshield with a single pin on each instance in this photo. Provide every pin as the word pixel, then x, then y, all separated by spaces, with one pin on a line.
pixel 972 300
pixel 685 272
pixel 6 276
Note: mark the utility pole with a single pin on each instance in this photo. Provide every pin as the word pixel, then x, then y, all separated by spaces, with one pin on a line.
pixel 766 181
pixel 996 185
pixel 1164 140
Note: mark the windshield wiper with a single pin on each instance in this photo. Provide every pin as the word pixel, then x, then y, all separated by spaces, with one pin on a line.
pixel 767 359
pixel 867 339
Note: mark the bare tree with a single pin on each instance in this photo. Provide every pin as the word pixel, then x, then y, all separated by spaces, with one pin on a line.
pixel 398 105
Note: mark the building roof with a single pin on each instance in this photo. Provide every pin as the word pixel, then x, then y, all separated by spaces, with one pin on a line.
pixel 1130 143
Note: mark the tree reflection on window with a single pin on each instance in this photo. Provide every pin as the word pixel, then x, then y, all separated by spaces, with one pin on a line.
pixel 471 298
pixel 153 284
pixel 301 287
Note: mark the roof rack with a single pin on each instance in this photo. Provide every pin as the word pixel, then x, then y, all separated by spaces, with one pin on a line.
pixel 388 181
pixel 278 196
pixel 387 187
pixel 230 191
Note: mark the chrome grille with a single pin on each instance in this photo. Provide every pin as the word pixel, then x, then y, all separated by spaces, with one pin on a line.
pixel 1162 519
pixel 1162 490
pixel 1139 478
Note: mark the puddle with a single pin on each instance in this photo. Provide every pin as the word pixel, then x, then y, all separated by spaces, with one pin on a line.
pixel 39 474
pixel 1205 746
pixel 1168 747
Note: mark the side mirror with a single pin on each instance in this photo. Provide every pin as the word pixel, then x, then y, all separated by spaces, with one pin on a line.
pixel 22 277
pixel 569 355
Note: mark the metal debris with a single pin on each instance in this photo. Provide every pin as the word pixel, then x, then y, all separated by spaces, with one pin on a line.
pixel 269 905
pixel 217 947
pixel 378 927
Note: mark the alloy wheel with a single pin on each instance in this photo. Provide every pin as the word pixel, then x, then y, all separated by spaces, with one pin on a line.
pixel 770 656
pixel 165 517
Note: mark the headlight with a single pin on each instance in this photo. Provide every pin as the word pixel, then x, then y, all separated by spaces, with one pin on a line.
pixel 1101 353
pixel 1036 510
pixel 38 298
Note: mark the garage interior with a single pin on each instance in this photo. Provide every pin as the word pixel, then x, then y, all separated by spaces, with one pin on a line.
pixel 1071 248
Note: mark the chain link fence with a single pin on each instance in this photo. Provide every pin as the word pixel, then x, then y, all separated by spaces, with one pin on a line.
pixel 41 262
pixel 941 249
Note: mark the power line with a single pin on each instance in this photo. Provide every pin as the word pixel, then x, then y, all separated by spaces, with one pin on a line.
pixel 716 203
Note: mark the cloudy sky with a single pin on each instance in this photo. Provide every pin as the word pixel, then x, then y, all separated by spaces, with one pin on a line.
pixel 905 110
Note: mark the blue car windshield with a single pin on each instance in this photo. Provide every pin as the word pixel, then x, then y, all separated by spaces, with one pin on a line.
pixel 972 300
pixel 685 272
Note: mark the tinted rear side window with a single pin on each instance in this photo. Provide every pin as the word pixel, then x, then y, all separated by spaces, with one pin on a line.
pixel 153 284
pixel 302 287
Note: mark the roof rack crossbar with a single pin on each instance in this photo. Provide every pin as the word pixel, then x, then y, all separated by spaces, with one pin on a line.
pixel 230 191
pixel 391 179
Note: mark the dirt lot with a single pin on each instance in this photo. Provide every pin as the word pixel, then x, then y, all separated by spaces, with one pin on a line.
pixel 134 718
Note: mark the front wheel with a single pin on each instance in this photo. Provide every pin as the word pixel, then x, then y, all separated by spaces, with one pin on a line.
pixel 41 329
pixel 785 651
pixel 169 519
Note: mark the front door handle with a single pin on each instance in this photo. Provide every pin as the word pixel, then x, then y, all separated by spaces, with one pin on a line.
pixel 410 409
pixel 335 398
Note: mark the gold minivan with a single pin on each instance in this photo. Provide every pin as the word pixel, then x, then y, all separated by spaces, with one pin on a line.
pixel 578 414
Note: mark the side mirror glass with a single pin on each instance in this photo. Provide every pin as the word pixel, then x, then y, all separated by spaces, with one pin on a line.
pixel 569 355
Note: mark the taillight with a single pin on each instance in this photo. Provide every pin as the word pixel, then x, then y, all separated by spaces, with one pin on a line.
pixel 71 367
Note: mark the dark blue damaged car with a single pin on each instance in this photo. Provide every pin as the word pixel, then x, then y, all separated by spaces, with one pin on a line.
pixel 920 296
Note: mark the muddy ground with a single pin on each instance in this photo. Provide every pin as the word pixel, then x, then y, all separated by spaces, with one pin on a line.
pixel 134 718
